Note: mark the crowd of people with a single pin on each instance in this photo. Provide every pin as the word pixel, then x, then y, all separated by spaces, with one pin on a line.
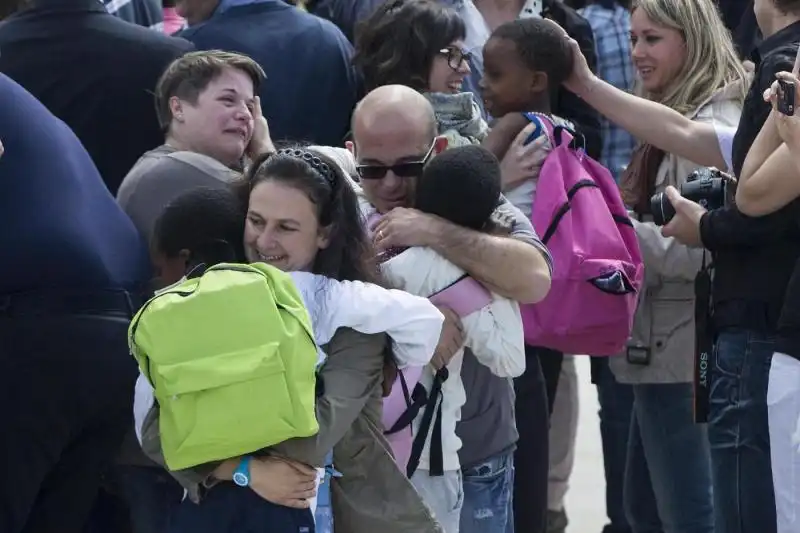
pixel 364 161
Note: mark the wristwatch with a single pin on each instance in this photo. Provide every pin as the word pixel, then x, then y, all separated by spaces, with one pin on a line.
pixel 241 476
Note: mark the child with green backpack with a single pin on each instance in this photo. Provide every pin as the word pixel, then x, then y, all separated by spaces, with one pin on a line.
pixel 253 328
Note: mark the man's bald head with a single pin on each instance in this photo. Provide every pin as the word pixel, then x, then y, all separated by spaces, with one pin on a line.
pixel 394 131
pixel 394 106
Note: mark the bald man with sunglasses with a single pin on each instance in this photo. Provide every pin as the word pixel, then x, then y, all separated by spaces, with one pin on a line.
pixel 394 136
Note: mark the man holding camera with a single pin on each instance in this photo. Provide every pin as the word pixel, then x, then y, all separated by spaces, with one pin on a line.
pixel 754 259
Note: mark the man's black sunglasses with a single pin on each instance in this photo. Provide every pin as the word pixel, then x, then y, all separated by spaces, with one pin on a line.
pixel 410 169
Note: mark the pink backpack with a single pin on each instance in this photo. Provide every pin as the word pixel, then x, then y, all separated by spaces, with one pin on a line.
pixel 597 264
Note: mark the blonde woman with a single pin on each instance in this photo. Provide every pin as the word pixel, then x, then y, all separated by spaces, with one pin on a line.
pixel 686 62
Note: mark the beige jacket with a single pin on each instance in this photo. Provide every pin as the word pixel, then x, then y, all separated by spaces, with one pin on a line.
pixel 664 320
pixel 373 495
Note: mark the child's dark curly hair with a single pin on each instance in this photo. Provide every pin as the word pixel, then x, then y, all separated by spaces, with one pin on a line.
pixel 541 46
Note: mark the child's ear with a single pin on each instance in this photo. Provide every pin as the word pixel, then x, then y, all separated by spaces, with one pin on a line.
pixel 185 256
pixel 539 82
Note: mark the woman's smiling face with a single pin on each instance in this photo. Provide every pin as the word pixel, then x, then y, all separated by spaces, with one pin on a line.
pixel 658 52
pixel 282 227
pixel 449 69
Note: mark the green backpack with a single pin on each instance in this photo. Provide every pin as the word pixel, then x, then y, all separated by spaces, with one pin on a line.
pixel 231 357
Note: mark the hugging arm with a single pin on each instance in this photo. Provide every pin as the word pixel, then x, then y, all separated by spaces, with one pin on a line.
pixel 517 267
pixel 495 336
pixel 412 322
pixel 352 371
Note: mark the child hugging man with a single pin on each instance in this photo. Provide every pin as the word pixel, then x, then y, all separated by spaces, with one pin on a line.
pixel 461 185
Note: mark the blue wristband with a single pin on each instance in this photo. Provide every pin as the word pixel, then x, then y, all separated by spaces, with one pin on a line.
pixel 241 476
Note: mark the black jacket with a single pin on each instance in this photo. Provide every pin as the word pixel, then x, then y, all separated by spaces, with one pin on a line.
pixel 754 257
pixel 95 72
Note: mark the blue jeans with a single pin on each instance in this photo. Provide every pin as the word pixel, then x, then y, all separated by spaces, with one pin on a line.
pixel 489 496
pixel 151 493
pixel 616 408
pixel 670 453
pixel 744 499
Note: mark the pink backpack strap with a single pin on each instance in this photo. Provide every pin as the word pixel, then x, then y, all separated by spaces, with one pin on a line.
pixel 372 219
pixel 465 296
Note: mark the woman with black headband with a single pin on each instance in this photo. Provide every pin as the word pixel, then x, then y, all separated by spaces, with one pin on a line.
pixel 302 217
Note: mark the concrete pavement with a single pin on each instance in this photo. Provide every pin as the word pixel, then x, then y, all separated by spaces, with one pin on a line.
pixel 586 496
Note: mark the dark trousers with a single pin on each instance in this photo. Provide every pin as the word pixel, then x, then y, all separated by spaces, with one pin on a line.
pixel 227 508
pixel 66 391
pixel 151 494
pixel 531 459
pixel 550 361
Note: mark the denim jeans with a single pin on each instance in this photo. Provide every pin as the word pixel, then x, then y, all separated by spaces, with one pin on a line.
pixel 444 495
pixel 489 496
pixel 616 408
pixel 151 493
pixel 744 500
pixel 670 453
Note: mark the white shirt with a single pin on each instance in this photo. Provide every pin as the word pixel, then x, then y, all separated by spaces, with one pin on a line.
pixel 413 323
pixel 494 334
pixel 725 135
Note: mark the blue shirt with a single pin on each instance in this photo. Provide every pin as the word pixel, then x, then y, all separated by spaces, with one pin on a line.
pixel 612 28
pixel 59 225
pixel 311 87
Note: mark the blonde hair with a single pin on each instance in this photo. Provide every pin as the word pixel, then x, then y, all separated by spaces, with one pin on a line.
pixel 711 60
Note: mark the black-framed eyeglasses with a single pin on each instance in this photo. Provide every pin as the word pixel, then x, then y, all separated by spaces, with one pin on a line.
pixel 455 56
pixel 410 169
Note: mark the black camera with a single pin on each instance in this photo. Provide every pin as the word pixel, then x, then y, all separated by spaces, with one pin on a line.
pixel 707 186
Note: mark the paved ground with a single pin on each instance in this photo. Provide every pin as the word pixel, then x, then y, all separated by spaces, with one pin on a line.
pixel 586 496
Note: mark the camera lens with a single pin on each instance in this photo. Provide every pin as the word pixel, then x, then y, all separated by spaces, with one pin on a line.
pixel 661 209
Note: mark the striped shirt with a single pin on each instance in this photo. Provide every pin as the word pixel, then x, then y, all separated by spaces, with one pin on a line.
pixel 611 29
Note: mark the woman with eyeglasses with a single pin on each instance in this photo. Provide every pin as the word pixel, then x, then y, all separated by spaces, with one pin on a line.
pixel 419 43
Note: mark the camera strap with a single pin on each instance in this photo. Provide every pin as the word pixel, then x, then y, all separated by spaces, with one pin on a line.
pixel 703 341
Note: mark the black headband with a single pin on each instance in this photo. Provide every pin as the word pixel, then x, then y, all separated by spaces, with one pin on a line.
pixel 320 166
